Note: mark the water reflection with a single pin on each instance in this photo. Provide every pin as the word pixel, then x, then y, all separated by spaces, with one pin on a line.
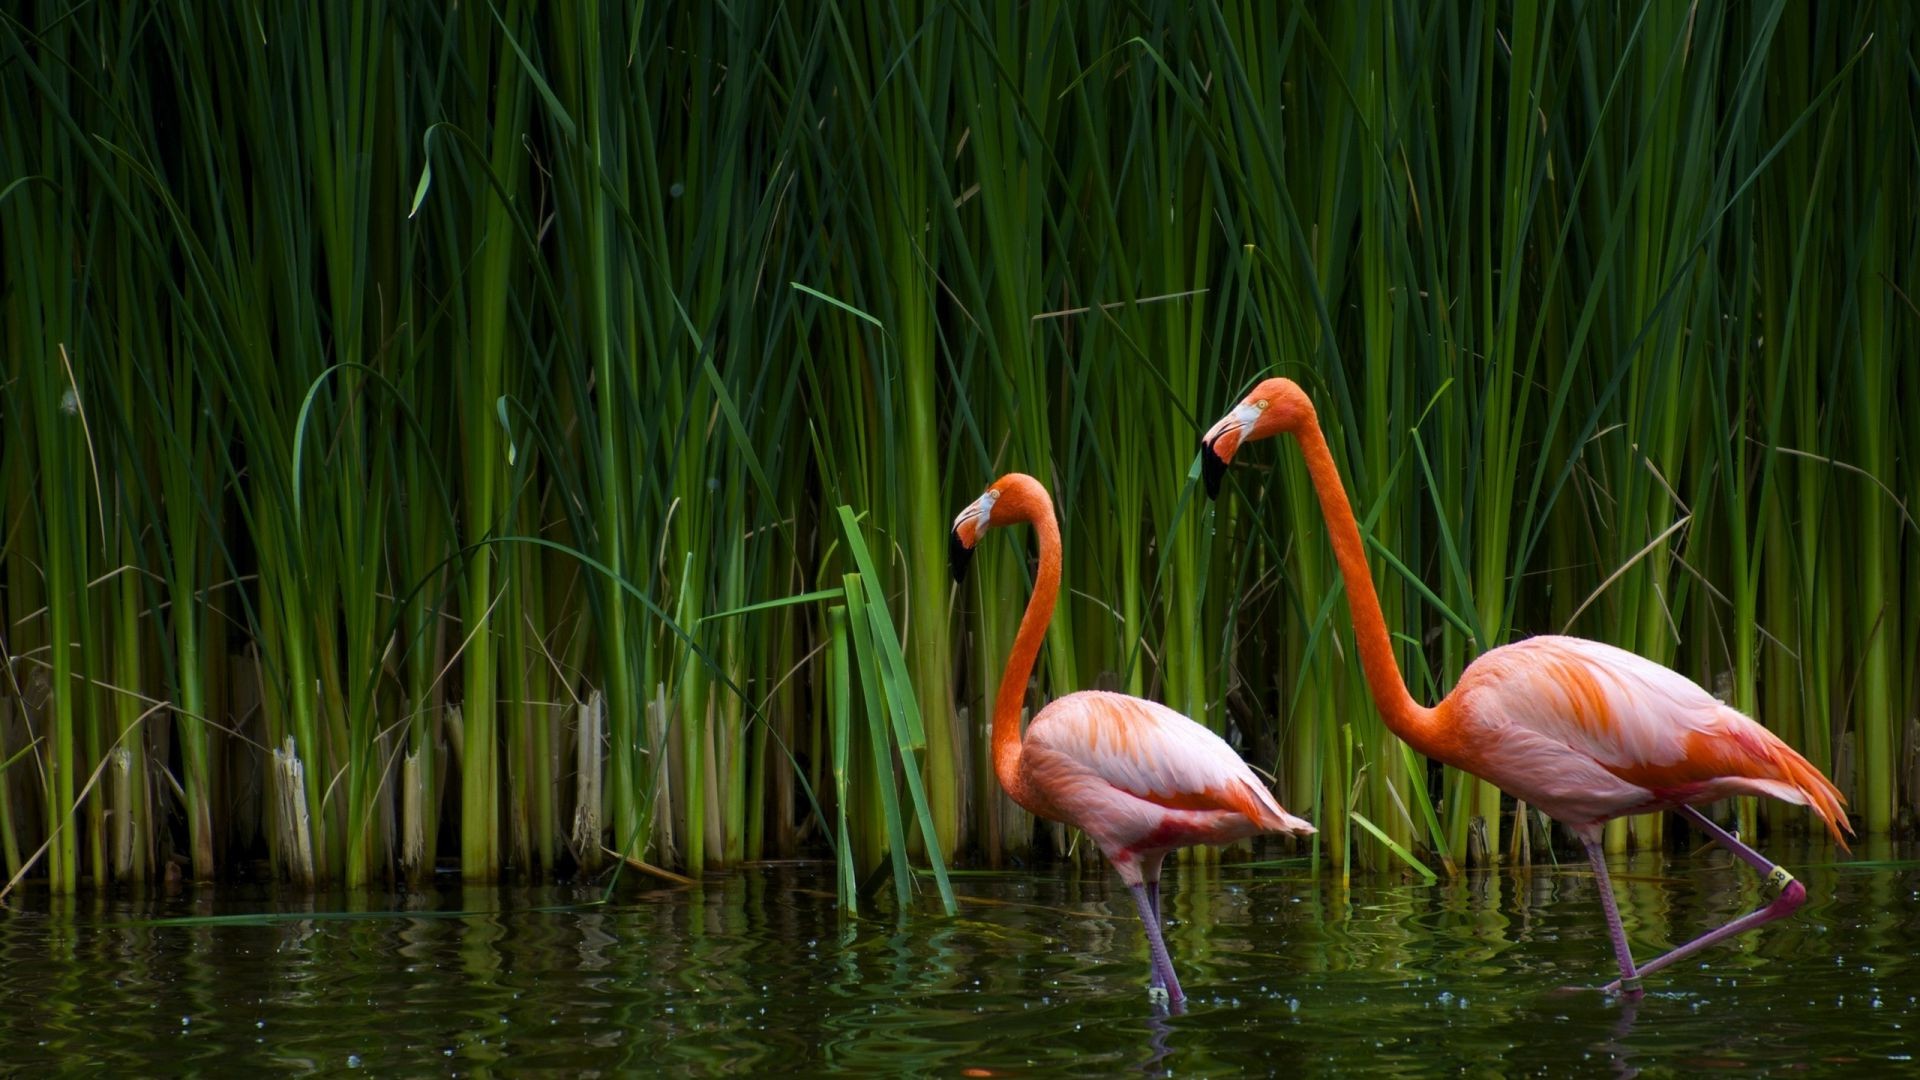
pixel 757 971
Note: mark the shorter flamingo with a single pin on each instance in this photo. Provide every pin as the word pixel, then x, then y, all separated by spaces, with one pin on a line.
pixel 1584 731
pixel 1138 778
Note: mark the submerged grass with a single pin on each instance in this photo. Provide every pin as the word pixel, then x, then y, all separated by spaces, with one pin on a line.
pixel 421 430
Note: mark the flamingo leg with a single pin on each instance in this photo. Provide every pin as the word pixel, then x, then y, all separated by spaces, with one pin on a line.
pixel 1789 895
pixel 1150 871
pixel 1163 976
pixel 1629 976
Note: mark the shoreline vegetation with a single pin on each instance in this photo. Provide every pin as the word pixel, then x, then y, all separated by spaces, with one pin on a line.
pixel 523 436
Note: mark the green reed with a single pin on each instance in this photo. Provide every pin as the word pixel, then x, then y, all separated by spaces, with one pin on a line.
pixel 423 432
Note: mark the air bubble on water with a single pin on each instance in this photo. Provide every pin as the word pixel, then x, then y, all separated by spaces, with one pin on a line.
pixel 185 1020
pixel 678 189
pixel 353 1061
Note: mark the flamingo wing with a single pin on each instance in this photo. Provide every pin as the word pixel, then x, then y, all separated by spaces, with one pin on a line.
pixel 1646 724
pixel 1156 755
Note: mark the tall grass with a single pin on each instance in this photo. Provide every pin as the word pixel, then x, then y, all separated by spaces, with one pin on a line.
pixel 424 431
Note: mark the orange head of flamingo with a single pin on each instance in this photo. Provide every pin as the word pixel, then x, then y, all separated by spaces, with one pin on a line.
pixel 1013 498
pixel 1275 407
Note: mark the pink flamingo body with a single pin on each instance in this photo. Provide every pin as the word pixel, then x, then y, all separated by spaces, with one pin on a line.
pixel 1588 732
pixel 1138 778
pixel 1585 731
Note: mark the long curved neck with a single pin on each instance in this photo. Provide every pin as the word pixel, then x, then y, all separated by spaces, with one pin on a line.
pixel 1026 648
pixel 1404 716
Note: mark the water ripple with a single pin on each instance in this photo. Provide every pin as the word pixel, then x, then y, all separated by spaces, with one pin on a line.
pixel 1040 972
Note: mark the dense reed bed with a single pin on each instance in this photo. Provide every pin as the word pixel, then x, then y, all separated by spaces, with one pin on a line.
pixel 515 436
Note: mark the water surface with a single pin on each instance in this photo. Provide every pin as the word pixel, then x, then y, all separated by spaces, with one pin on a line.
pixel 1042 972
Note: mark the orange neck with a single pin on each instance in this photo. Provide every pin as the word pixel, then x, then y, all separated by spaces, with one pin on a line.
pixel 1026 649
pixel 1404 717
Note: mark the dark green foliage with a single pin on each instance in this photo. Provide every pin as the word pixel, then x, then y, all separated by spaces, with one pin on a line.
pixel 390 393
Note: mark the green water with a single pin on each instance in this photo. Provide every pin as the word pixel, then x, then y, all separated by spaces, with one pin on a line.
pixel 1043 972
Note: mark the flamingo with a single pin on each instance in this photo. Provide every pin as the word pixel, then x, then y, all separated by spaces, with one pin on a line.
pixel 1584 731
pixel 1138 778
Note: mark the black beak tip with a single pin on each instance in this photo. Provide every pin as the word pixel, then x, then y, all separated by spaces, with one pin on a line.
pixel 1211 469
pixel 959 555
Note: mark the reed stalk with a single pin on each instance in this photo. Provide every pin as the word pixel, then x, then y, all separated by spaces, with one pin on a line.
pixel 383 386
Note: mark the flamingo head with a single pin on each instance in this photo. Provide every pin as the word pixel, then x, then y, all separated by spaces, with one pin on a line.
pixel 1276 406
pixel 968 528
pixel 1013 498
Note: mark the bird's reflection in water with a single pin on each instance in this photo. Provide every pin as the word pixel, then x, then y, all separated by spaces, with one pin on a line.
pixel 1619 1055
pixel 1158 1031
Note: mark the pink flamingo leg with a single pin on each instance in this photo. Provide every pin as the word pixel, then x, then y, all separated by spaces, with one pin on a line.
pixel 1150 870
pixel 1163 976
pixel 1790 895
pixel 1629 977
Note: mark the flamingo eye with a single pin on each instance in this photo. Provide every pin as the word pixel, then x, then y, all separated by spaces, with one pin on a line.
pixel 984 508
pixel 1261 405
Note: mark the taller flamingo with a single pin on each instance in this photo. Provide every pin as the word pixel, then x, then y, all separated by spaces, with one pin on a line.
pixel 1138 778
pixel 1584 731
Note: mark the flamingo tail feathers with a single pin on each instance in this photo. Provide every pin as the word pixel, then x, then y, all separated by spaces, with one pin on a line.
pixel 1789 769
pixel 1820 793
pixel 1260 806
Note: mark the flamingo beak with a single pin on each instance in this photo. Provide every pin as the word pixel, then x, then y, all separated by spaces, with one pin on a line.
pixel 1221 442
pixel 959 554
pixel 967 530
pixel 1212 468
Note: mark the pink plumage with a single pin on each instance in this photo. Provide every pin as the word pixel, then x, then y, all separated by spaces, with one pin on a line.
pixel 1142 780
pixel 1587 732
